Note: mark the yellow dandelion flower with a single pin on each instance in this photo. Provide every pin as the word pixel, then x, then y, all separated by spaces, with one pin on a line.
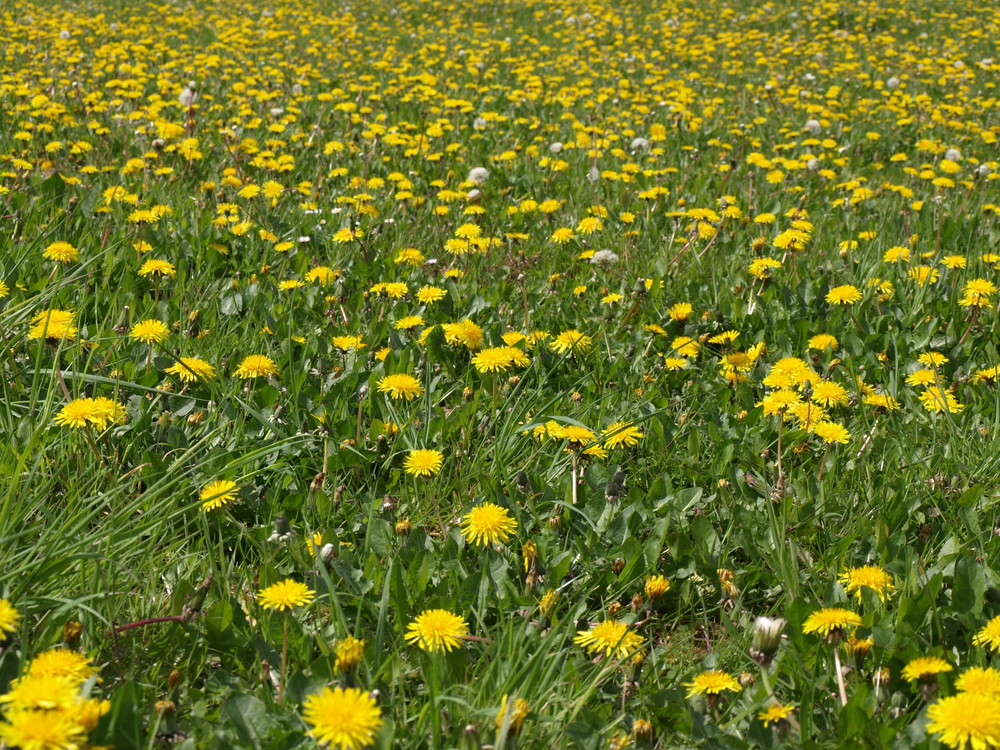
pixel 775 714
pixel 830 621
pixel 610 638
pixel 712 682
pixel 437 630
pixel 843 295
pixel 256 366
pixel 61 252
pixel 423 462
pixel 966 720
pixel 285 595
pixel 149 331
pixel 620 434
pixel 10 618
pixel 867 576
pixel 400 385
pixel 925 667
pixel 218 493
pixel 989 635
pixel 488 524
pixel 349 653
pixel 191 369
pixel 342 718
pixel 154 267
pixel 570 340
pixel 985 680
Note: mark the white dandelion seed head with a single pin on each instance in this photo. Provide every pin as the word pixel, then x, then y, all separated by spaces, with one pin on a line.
pixel 478 175
pixel 602 257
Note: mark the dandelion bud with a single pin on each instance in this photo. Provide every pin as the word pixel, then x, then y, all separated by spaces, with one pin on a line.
pixel 555 522
pixel 614 608
pixel 766 638
pixel 71 632
pixel 165 707
pixel 403 527
pixel 637 602
pixel 656 587
pixel 349 653
pixel 174 678
pixel 523 482
pixel 618 566
pixel 467 393
pixel 317 482
pixel 643 731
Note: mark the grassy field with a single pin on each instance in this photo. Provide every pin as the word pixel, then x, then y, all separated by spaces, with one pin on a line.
pixel 508 374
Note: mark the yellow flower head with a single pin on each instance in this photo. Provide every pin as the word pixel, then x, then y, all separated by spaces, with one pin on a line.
pixel 488 524
pixel 400 385
pixel 285 595
pixel 53 324
pixel 191 369
pixel 966 720
pixel 342 718
pixel 989 635
pixel 61 252
pixel 519 710
pixel 843 295
pixel 154 267
pixel 611 638
pixel 984 680
pixel 10 618
pixel 571 340
pixel 775 714
pixel 925 667
pixel 218 493
pixel 867 576
pixel 256 366
pixel 423 462
pixel 149 331
pixel 349 653
pixel 437 630
pixel 62 663
pixel 830 621
pixel 712 682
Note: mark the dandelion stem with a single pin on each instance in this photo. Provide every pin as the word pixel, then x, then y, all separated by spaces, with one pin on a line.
pixel 284 660
pixel 840 676
pixel 972 322
pixel 572 478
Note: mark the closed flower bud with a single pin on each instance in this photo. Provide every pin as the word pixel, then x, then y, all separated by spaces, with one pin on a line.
pixel 403 527
pixel 766 638
pixel 618 566
pixel 71 632
pixel 642 730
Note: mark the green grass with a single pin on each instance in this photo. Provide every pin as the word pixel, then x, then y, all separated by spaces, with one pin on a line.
pixel 104 526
